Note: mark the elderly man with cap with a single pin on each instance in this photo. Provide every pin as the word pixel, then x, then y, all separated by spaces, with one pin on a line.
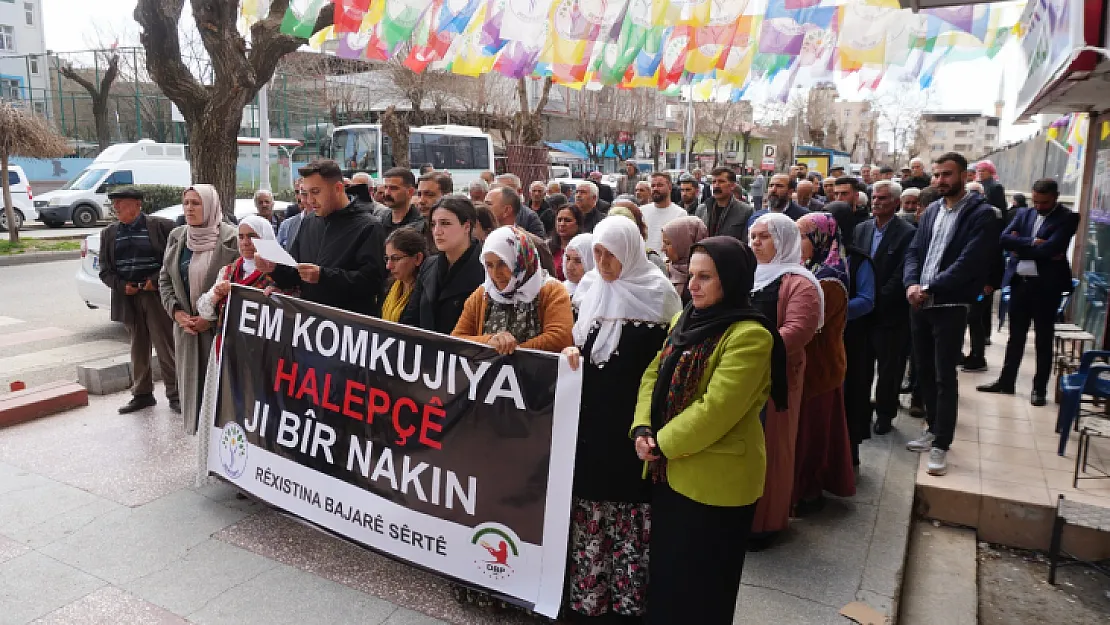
pixel 131 253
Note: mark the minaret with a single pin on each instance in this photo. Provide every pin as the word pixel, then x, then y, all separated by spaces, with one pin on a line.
pixel 1000 103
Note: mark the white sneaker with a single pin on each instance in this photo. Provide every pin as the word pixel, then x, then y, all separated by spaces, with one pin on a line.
pixel 938 462
pixel 922 444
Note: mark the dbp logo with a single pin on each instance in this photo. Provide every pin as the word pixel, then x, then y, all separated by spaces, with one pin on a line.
pixel 496 546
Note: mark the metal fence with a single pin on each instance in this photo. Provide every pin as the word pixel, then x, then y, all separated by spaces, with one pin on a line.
pixel 1021 164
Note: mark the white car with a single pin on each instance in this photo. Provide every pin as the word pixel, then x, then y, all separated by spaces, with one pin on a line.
pixel 22 199
pixel 95 293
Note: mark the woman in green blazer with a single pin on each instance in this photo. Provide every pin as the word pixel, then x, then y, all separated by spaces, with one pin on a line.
pixel 697 426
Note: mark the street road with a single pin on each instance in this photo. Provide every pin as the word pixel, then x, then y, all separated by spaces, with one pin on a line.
pixel 45 328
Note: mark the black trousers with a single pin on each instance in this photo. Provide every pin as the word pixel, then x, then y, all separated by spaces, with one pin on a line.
pixel 938 340
pixel 857 382
pixel 889 349
pixel 979 325
pixel 697 558
pixel 1031 303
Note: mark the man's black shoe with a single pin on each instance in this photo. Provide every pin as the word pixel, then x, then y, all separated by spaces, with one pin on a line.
pixel 974 363
pixel 175 405
pixel 883 426
pixel 138 402
pixel 995 387
pixel 1038 398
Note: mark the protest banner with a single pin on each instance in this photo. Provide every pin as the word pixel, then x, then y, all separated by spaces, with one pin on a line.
pixel 427 448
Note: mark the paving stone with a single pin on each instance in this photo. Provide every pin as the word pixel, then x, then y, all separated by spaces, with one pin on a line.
pixel 109 606
pixel 202 574
pixel 760 606
pixel 10 549
pixel 132 543
pixel 33 585
pixel 60 526
pixel 40 501
pixel 404 616
pixel 287 595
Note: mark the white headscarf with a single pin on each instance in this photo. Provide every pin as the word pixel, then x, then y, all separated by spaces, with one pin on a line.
pixel 641 293
pixel 583 245
pixel 512 245
pixel 263 229
pixel 788 257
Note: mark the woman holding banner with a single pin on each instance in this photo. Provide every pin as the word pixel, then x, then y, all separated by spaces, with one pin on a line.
pixel 697 424
pixel 195 254
pixel 624 306
pixel 447 279
pixel 518 305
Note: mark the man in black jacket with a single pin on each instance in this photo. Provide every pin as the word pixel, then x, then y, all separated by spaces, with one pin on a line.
pixel 339 251
pixel 886 237
pixel 1038 274
pixel 131 253
pixel 778 199
pixel 946 267
pixel 723 214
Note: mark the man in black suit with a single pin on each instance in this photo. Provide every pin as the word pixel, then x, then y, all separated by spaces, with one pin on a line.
pixel 886 237
pixel 604 191
pixel 778 199
pixel 1038 274
pixel 946 267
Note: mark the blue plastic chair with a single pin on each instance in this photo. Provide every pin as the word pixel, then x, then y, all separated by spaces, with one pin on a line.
pixel 1074 386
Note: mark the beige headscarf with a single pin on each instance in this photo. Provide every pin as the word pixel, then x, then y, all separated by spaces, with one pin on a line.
pixel 203 239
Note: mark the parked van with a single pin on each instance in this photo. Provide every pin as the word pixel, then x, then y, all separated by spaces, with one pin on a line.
pixel 82 199
pixel 22 199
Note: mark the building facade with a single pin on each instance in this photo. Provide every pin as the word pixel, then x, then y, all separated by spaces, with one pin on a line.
pixel 967 132
pixel 24 70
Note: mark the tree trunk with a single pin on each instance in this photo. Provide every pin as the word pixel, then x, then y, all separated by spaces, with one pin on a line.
pixel 214 150
pixel 9 208
pixel 397 129
pixel 100 117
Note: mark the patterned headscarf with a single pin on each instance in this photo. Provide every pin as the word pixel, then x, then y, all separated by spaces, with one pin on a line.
pixel 513 246
pixel 825 262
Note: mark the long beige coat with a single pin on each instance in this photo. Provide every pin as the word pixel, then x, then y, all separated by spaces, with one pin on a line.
pixel 192 351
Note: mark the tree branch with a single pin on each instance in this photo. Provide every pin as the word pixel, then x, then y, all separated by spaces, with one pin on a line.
pixel 159 19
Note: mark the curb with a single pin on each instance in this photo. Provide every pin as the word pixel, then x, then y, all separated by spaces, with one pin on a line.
pixel 31 258
pixel 41 401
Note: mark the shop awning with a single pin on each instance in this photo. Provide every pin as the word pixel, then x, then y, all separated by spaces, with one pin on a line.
pixel 578 149
pixel 1063 77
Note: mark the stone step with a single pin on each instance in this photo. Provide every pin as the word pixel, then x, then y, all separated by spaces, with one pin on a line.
pixel 110 375
pixel 41 401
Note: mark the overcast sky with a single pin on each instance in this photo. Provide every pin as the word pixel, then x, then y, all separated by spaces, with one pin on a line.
pixel 973 85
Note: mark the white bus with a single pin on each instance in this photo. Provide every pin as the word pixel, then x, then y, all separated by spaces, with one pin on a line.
pixel 463 151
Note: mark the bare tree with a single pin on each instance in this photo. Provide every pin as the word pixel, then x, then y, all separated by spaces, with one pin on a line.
pixel 213 108
pixel 898 113
pixel 396 127
pixel 592 122
pixel 23 133
pixel 717 121
pixel 98 93
pixel 529 119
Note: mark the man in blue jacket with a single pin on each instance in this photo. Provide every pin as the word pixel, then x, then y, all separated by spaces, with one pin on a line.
pixel 1038 274
pixel 946 268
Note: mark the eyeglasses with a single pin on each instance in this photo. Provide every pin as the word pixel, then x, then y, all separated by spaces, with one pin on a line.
pixel 396 258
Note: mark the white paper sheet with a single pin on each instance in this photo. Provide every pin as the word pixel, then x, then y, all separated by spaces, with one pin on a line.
pixel 273 251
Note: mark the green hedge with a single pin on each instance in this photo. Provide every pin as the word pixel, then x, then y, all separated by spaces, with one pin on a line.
pixel 159 196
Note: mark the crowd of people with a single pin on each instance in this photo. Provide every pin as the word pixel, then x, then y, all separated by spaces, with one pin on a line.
pixel 728 351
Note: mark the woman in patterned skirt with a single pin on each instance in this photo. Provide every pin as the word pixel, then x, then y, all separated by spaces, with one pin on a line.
pixel 623 305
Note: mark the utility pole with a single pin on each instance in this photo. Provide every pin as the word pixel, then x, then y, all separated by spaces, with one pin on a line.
pixel 264 136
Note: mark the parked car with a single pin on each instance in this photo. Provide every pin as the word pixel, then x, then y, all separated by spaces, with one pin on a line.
pixel 95 293
pixel 22 199
pixel 82 199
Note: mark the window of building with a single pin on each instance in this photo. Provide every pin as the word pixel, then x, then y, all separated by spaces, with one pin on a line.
pixel 7 38
pixel 34 63
pixel 939 134
pixel 40 108
pixel 961 134
pixel 29 13
pixel 9 89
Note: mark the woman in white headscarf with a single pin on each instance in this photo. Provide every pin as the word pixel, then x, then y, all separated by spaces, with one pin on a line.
pixel 790 296
pixel 624 305
pixel 578 259
pixel 195 253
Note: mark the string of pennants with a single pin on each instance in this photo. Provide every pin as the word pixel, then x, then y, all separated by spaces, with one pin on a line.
pixel 660 44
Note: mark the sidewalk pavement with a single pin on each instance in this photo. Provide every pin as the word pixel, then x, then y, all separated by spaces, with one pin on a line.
pixel 100 523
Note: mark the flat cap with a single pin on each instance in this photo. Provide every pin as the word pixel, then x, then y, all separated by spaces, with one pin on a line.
pixel 127 192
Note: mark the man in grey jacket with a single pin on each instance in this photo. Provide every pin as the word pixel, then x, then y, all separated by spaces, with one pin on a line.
pixel 759 184
pixel 723 214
